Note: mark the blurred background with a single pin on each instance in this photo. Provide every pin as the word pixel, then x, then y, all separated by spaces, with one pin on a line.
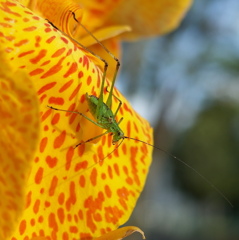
pixel 187 85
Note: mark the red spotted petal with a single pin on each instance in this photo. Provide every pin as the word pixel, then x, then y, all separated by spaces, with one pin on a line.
pixel 72 193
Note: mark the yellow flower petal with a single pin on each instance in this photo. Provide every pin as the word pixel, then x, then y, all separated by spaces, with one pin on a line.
pixel 19 131
pixel 90 190
pixel 121 233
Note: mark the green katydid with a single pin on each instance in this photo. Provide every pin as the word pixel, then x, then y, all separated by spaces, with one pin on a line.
pixel 104 116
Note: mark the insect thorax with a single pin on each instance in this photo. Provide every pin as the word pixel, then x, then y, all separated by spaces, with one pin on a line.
pixel 107 119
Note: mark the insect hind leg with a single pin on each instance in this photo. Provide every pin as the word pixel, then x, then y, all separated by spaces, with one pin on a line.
pixel 119 106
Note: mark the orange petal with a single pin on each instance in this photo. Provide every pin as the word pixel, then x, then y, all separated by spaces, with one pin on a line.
pixel 96 12
pixel 19 131
pixel 150 18
pixel 146 18
pixel 90 190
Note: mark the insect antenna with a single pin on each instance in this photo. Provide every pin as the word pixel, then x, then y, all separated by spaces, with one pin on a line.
pixel 187 165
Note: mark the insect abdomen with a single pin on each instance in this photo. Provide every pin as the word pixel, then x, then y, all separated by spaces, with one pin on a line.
pixel 92 103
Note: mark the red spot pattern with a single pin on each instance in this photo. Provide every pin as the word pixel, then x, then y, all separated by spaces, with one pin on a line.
pixel 69 156
pixel 116 168
pixel 45 63
pixel 36 72
pixel 55 119
pixel 93 177
pixel 72 197
pixel 30 29
pixel 22 42
pixel 108 192
pixel 61 198
pixel 40 56
pixel 22 227
pixel 128 129
pixel 58 53
pixel 25 53
pixel 64 40
pixel 86 62
pixel 53 70
pixel 56 101
pixel 89 80
pixel 80 74
pixel 38 40
pixel 81 165
pixel 134 163
pixel 53 185
pixel 43 144
pixel 36 18
pixel 46 115
pixel 71 70
pixel 28 199
pixel 112 214
pixel 93 205
pixel 36 206
pixel 61 215
pixel 50 39
pixel 46 87
pixel 81 150
pixel 75 92
pixel 82 181
pixel 66 86
pixel 32 222
pixel 51 162
pixel 52 222
pixel 124 148
pixel 127 109
pixel 38 176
